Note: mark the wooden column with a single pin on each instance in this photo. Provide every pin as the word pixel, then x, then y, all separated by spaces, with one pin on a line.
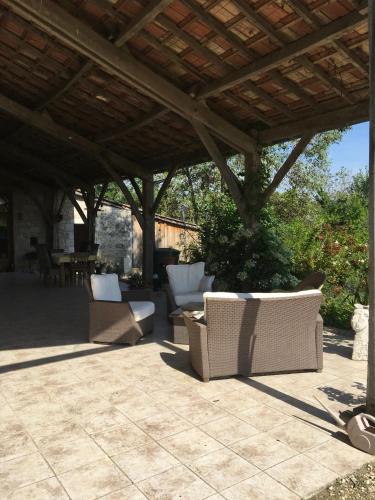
pixel 371 277
pixel 148 231
pixel 91 216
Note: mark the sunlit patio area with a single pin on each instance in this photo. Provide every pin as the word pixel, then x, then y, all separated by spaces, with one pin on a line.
pixel 82 420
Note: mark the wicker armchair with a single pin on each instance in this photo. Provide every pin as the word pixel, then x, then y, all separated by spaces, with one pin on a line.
pixel 121 321
pixel 248 334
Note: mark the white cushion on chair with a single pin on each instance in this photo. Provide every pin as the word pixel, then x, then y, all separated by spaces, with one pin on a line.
pixel 205 284
pixel 185 278
pixel 106 287
pixel 142 309
pixel 185 298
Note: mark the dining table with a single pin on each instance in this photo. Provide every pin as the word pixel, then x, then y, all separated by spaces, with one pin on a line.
pixel 62 259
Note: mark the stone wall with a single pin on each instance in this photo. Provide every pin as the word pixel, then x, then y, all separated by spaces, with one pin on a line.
pixel 114 234
pixel 64 229
pixel 27 223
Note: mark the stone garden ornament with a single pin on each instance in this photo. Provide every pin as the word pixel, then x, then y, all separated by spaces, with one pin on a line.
pixel 360 326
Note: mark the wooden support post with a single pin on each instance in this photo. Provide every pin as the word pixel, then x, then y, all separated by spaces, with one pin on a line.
pixel 163 189
pixel 371 276
pixel 148 232
pixel 91 216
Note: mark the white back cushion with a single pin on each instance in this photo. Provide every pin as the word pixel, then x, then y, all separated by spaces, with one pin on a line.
pixel 106 287
pixel 225 296
pixel 184 278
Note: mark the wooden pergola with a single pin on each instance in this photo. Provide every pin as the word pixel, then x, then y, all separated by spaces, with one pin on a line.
pixel 93 91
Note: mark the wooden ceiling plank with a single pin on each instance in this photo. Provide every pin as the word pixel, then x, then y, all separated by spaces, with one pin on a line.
pixel 294 49
pixel 59 23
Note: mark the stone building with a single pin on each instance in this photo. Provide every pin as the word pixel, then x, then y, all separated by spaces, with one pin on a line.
pixel 23 223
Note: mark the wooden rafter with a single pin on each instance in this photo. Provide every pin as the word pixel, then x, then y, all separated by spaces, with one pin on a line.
pixel 163 189
pixel 115 176
pixel 328 79
pixel 59 23
pixel 152 10
pixel 39 121
pixel 294 49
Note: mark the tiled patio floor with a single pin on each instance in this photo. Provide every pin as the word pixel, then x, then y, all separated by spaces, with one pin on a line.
pixel 87 421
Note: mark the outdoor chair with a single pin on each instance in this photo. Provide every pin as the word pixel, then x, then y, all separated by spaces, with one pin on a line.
pixel 187 283
pixel 256 333
pixel 114 319
pixel 80 268
pixel 48 271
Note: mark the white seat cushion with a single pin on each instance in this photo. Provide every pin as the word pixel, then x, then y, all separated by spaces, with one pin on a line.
pixel 184 298
pixel 185 278
pixel 106 287
pixel 142 309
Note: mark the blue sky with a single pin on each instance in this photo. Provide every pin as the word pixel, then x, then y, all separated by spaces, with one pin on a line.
pixel 352 151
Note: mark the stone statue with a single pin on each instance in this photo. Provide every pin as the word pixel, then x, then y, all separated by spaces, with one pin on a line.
pixel 360 326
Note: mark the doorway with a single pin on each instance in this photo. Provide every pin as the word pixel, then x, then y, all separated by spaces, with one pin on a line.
pixel 6 233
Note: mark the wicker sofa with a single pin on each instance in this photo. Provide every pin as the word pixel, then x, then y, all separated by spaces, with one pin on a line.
pixel 248 334
pixel 115 316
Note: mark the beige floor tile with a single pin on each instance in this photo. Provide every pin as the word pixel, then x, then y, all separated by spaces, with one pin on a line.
pixel 121 439
pixel 56 434
pixel 36 415
pixel 129 493
pixel 298 435
pixel 93 480
pixel 262 450
pixel 200 412
pixel 189 445
pixel 70 455
pixel 138 407
pixel 229 429
pixel 15 445
pixel 145 461
pixel 341 457
pixel 175 483
pixel 222 468
pixel 86 404
pixel 47 489
pixel 259 487
pixel 103 420
pixel 163 425
pixel 264 418
pixel 22 471
pixel 302 475
pixel 236 401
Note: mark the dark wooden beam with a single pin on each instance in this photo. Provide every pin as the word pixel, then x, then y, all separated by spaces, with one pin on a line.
pixel 229 178
pixel 148 242
pixel 294 49
pixel 37 120
pixel 296 152
pixel 137 189
pixel 115 176
pixel 337 118
pixel 294 88
pixel 59 23
pixel 99 200
pixel 70 194
pixel 163 189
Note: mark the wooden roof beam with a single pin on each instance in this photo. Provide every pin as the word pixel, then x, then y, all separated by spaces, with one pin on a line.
pixel 329 80
pixel 146 16
pixel 311 18
pixel 62 25
pixel 322 122
pixel 63 134
pixel 294 49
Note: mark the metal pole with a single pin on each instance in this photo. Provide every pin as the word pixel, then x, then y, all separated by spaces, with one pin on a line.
pixel 371 276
